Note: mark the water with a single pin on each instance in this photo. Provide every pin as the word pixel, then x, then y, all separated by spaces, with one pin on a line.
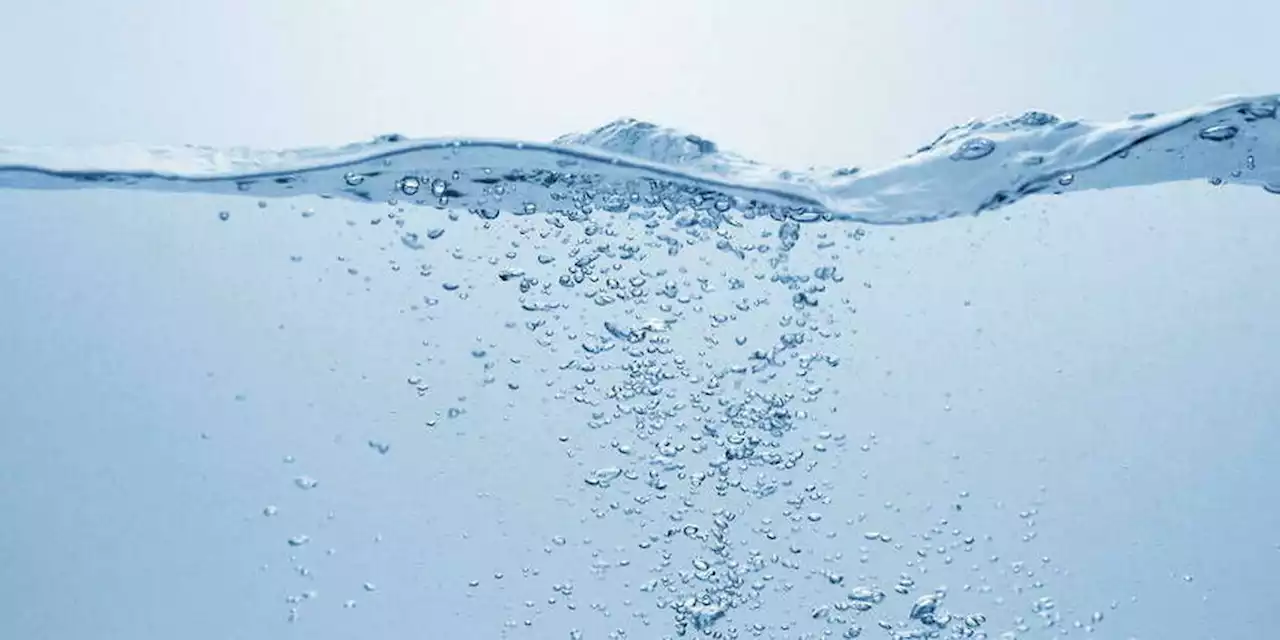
pixel 631 164
pixel 629 385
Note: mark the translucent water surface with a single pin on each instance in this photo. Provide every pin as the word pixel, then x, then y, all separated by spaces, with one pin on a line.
pixel 968 170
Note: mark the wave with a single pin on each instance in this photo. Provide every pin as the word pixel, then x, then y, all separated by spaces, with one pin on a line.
pixel 976 167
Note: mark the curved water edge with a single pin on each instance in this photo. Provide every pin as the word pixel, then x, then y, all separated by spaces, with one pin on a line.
pixel 976 167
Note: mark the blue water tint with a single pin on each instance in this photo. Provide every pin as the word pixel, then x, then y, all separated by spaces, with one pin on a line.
pixel 970 169
pixel 627 385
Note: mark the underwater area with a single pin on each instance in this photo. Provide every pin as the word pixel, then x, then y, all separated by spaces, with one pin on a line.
pixel 1020 383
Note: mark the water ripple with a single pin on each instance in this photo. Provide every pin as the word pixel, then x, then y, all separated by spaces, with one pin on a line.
pixel 969 169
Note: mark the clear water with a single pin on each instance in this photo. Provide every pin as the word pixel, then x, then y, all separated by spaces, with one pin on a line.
pixel 629 385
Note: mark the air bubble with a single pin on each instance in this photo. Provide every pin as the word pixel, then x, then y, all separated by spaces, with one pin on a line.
pixel 1260 110
pixel 974 148
pixel 924 606
pixel 603 476
pixel 1219 133
pixel 409 185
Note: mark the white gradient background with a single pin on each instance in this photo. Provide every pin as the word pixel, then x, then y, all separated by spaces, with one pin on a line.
pixel 790 83
pixel 1155 444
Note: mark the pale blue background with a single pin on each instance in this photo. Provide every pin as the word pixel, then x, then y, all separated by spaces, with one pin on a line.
pixel 1120 350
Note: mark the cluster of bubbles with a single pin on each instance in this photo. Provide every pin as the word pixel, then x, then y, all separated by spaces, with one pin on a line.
pixel 722 433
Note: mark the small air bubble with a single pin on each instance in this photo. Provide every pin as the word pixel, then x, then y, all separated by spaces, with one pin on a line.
pixel 409 185
pixel 974 148
pixel 924 606
pixel 603 476
pixel 1219 133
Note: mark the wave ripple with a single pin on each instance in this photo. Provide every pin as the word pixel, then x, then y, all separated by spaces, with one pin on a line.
pixel 969 169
